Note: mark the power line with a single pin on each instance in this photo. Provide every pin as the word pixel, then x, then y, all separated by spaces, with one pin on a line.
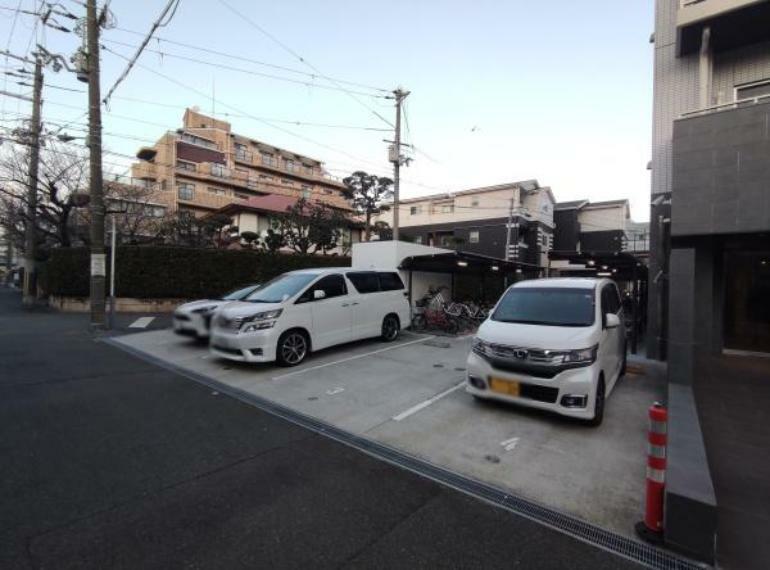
pixel 247 71
pixel 282 129
pixel 301 59
pixel 254 61
pixel 157 24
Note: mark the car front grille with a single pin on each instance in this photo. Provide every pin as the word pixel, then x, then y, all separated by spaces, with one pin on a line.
pixel 539 393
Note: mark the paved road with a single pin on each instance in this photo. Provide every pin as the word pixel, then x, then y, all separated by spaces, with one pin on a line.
pixel 109 462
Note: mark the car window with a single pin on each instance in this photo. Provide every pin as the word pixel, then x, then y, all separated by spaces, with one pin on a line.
pixel 364 281
pixel 610 300
pixel 390 281
pixel 239 294
pixel 550 306
pixel 281 288
pixel 332 285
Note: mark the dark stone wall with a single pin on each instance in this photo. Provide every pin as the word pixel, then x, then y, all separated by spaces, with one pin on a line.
pixel 721 172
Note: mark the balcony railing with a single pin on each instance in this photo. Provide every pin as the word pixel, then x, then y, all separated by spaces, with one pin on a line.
pixel 726 106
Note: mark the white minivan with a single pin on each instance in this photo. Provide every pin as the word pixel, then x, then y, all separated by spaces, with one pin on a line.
pixel 554 344
pixel 307 310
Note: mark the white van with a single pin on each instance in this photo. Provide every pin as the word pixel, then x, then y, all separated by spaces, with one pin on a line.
pixel 307 310
pixel 553 344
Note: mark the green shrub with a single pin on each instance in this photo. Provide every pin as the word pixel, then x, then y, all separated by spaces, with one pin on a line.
pixel 174 272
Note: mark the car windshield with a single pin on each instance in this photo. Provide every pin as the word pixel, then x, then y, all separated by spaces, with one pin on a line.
pixel 239 294
pixel 281 288
pixel 561 307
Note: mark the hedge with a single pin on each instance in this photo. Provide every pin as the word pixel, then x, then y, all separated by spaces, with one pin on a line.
pixel 173 272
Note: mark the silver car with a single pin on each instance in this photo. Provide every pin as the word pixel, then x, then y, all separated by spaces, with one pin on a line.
pixel 194 318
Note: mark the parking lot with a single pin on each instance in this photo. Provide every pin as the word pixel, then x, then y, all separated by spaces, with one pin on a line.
pixel 410 395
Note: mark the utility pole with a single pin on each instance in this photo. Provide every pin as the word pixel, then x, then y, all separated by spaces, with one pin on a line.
pixel 96 191
pixel 396 159
pixel 29 295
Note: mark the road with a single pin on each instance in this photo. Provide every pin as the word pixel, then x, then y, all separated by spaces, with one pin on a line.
pixel 110 462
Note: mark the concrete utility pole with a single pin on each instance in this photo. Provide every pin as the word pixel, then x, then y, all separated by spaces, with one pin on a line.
pixel 96 190
pixel 29 295
pixel 396 159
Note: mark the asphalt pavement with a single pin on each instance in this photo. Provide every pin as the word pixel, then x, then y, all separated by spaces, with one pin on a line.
pixel 110 462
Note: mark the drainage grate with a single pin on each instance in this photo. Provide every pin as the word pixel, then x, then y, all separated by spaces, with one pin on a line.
pixel 612 542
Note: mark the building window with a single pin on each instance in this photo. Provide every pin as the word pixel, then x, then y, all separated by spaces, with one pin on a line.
pixel 291 166
pixel 306 194
pixel 267 159
pixel 447 208
pixel 418 239
pixel 219 170
pixel 474 202
pixel 242 196
pixel 184 165
pixel 308 170
pixel 216 191
pixel 751 90
pixel 415 210
pixel 265 178
pixel 242 152
pixel 185 191
pixel 287 182
pixel 473 236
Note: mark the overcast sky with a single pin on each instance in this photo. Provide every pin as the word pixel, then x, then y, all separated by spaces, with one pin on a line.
pixel 501 90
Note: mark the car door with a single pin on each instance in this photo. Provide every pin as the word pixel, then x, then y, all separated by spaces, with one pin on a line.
pixel 395 296
pixel 332 316
pixel 610 336
pixel 367 318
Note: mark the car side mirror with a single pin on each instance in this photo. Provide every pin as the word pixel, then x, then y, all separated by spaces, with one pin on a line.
pixel 611 321
pixel 319 294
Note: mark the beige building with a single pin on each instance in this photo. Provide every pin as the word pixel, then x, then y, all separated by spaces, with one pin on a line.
pixel 476 220
pixel 204 166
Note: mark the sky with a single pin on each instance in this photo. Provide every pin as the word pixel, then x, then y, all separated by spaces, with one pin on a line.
pixel 500 91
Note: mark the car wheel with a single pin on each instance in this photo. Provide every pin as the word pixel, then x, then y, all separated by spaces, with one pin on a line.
pixel 293 347
pixel 390 328
pixel 598 405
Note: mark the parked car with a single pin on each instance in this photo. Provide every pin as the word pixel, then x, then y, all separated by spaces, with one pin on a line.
pixel 553 344
pixel 308 310
pixel 194 318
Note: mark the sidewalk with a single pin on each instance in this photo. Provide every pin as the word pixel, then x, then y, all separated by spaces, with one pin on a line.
pixel 111 462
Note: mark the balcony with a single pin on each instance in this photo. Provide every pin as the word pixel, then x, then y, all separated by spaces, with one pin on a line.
pixel 733 23
pixel 721 171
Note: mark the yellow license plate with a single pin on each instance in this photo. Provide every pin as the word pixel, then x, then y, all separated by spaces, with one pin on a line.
pixel 508 387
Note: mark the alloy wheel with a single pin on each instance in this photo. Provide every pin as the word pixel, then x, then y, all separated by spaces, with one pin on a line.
pixel 294 348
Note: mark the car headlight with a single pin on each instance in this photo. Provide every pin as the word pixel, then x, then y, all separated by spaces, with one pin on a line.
pixel 203 310
pixel 261 321
pixel 582 356
pixel 480 347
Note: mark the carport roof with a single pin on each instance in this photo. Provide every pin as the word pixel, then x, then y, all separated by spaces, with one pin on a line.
pixel 627 265
pixel 463 262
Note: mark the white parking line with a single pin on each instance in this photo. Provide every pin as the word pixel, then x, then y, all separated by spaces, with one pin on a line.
pixel 510 444
pixel 356 357
pixel 141 323
pixel 422 405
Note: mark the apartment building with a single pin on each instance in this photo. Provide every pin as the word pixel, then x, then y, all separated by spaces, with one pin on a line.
pixel 476 221
pixel 709 313
pixel 582 225
pixel 204 166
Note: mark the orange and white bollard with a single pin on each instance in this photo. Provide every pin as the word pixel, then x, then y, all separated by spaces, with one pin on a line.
pixel 651 528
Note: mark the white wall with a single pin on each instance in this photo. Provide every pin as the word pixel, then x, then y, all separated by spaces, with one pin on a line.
pixel 602 219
